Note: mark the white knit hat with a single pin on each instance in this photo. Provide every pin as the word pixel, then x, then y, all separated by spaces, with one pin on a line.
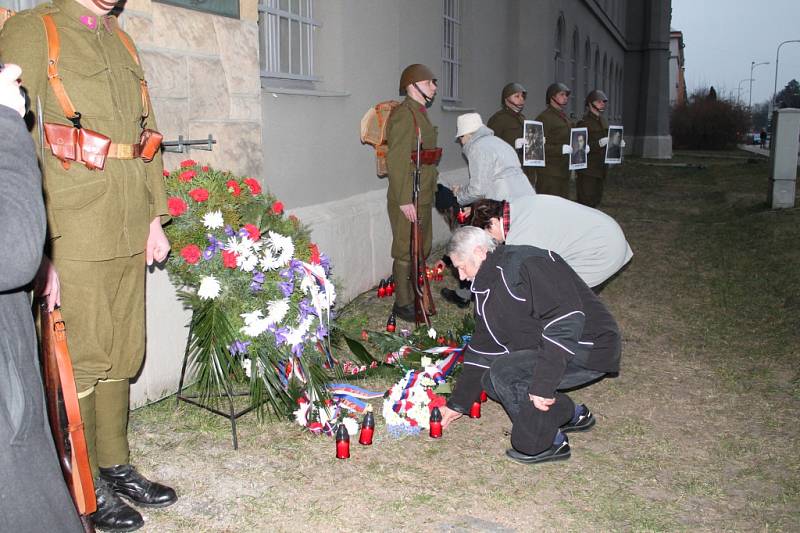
pixel 468 123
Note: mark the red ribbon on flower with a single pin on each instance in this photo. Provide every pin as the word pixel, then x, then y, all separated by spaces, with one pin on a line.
pixel 228 259
pixel 253 185
pixel 188 163
pixel 233 187
pixel 314 253
pixel 187 175
pixel 191 253
pixel 176 206
pixel 253 231
pixel 277 207
pixel 199 195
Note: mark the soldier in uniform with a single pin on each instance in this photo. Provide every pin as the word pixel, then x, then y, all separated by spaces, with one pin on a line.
pixel 409 119
pixel 508 122
pixel 553 178
pixel 104 225
pixel 590 180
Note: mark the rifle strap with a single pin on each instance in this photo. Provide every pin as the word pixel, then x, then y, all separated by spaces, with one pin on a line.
pixel 82 484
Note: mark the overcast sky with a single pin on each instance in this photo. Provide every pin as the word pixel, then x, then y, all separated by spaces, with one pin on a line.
pixel 722 37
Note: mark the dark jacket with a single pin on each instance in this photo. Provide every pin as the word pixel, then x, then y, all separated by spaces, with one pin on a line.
pixel 556 133
pixel 527 298
pixel 597 128
pixel 33 496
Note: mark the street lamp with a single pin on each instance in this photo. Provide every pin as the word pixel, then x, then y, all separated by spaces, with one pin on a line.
pixel 739 90
pixel 772 102
pixel 753 65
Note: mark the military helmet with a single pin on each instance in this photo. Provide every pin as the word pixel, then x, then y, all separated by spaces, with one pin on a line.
pixel 554 89
pixel 513 88
pixel 413 74
pixel 596 95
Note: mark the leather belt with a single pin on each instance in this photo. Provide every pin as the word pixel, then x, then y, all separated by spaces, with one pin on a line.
pixel 120 151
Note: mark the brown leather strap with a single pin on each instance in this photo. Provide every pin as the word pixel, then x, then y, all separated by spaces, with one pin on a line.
pixel 53 52
pixel 83 486
pixel 119 151
pixel 142 83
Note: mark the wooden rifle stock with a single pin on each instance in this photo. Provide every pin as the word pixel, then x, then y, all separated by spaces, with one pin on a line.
pixel 423 301
pixel 64 413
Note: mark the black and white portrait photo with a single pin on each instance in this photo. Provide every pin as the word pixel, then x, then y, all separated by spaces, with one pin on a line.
pixel 614 146
pixel 533 152
pixel 579 141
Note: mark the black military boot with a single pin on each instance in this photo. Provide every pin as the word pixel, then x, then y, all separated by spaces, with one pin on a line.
pixel 130 484
pixel 112 513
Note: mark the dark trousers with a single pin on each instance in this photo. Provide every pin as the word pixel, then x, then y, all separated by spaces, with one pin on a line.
pixel 507 382
pixel 589 189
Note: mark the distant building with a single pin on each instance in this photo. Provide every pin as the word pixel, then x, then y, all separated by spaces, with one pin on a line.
pixel 677 82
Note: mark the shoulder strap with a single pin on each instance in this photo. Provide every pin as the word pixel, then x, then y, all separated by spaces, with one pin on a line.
pixel 53 51
pixel 143 84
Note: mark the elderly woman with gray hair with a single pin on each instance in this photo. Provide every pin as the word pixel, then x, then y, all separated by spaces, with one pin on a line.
pixel 494 169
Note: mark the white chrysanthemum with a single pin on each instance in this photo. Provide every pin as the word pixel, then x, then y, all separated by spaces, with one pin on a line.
pixel 209 288
pixel 282 246
pixel 276 311
pixel 301 413
pixel 269 261
pixel 425 361
pixel 297 335
pixel 432 333
pixel 254 324
pixel 247 263
pixel 213 220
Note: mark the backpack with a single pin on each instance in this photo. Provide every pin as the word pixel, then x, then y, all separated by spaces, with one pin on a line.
pixel 373 132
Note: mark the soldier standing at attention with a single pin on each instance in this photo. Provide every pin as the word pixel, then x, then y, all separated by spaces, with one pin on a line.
pixel 554 177
pixel 104 225
pixel 508 122
pixel 590 180
pixel 409 119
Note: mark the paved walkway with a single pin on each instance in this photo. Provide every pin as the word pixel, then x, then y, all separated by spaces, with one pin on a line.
pixel 754 149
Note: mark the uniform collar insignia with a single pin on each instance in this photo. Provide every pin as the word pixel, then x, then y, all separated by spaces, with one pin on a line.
pixel 89 21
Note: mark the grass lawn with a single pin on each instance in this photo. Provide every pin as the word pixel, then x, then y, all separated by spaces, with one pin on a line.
pixel 697 433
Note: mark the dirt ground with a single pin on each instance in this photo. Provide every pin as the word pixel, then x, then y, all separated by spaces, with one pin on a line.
pixel 698 433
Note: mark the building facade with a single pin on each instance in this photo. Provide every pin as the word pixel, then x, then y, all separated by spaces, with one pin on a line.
pixel 282 89
pixel 677 82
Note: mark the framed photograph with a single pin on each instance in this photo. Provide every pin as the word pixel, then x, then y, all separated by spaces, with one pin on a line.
pixel 579 141
pixel 533 149
pixel 614 146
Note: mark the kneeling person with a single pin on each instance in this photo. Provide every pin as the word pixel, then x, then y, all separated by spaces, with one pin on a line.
pixel 539 329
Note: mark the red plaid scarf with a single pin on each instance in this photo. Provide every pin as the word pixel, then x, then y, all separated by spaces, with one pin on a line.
pixel 506 218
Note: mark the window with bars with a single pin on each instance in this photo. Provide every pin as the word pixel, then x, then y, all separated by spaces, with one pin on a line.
pixel 450 83
pixel 287 34
pixel 558 50
pixel 573 71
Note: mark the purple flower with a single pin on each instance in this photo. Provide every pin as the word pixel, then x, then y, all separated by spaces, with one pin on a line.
pixel 229 231
pixel 213 247
pixel 322 332
pixel 209 252
pixel 297 349
pixel 287 288
pixel 280 334
pixel 325 261
pixel 239 347
pixel 258 277
pixel 296 265
pixel 306 309
pixel 255 286
pixel 287 274
pixel 243 233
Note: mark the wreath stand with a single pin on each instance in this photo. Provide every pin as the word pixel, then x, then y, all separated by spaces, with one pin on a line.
pixel 232 415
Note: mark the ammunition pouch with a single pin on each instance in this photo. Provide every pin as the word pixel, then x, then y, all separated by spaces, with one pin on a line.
pixel 149 144
pixel 430 156
pixel 80 145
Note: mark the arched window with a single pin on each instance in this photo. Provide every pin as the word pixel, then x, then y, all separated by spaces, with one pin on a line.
pixel 612 104
pixel 558 56
pixel 596 68
pixel 605 73
pixel 619 94
pixel 587 64
pixel 573 67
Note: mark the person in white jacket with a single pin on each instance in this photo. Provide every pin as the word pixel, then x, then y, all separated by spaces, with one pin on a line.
pixel 494 169
pixel 590 241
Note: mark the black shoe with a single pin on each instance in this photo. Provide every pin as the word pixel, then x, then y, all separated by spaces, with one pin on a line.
pixel 406 312
pixel 585 421
pixel 130 484
pixel 452 296
pixel 556 452
pixel 112 513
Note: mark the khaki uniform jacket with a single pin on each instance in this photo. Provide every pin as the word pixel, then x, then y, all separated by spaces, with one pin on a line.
pixel 92 215
pixel 556 133
pixel 509 126
pixel 402 139
pixel 597 127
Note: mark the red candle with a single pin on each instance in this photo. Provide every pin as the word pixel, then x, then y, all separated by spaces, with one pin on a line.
pixel 484 396
pixel 436 423
pixel 367 428
pixel 391 324
pixel 475 411
pixel 342 442
pixel 382 289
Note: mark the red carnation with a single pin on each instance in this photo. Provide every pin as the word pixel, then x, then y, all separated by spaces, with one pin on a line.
pixel 188 163
pixel 166 173
pixel 314 253
pixel 255 187
pixel 176 206
pixel 187 175
pixel 199 195
pixel 191 253
pixel 254 232
pixel 228 259
pixel 233 187
pixel 277 207
pixel 204 168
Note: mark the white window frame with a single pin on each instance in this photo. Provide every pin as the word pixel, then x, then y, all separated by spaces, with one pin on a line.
pixel 269 22
pixel 450 83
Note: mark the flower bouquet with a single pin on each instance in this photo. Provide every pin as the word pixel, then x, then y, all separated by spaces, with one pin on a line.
pixel 259 289
pixel 408 403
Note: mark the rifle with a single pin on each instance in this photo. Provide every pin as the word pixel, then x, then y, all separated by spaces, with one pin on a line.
pixel 423 302
pixel 64 414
